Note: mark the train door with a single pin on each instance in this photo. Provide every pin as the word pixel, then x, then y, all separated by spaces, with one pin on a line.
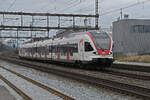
pixel 32 51
pixel 46 52
pixel 40 52
pixel 58 51
pixel 36 51
pixel 52 50
pixel 81 49
pixel 51 46
pixel 88 49
pixel 49 52
pixel 67 51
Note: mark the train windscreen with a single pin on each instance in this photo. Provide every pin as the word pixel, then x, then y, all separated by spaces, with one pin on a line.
pixel 101 39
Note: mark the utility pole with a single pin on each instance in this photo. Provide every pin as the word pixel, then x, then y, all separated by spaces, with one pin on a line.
pixel 0 37
pixel 121 13
pixel 21 20
pixel 0 32
pixel 17 40
pixel 32 22
pixel 96 13
pixel 47 26
pixel 3 19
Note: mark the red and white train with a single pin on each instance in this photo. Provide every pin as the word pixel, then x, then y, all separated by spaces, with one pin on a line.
pixel 82 48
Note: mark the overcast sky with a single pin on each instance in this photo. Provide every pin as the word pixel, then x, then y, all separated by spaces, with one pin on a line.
pixel 80 7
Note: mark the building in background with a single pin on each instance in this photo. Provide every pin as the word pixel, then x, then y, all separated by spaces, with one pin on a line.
pixel 131 37
pixel 14 43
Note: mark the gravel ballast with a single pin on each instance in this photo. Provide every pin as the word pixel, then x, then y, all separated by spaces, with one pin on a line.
pixel 98 74
pixel 33 91
pixel 75 89
pixel 11 91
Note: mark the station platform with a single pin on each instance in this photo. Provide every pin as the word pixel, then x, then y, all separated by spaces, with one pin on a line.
pixel 133 63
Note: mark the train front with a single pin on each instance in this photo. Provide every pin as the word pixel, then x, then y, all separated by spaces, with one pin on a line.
pixel 103 48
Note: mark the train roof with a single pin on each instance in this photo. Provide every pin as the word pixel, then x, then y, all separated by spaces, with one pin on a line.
pixel 45 42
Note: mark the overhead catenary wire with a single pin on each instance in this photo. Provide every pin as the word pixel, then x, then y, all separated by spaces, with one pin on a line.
pixel 85 9
pixel 72 5
pixel 44 6
pixel 71 2
pixel 129 6
pixel 11 5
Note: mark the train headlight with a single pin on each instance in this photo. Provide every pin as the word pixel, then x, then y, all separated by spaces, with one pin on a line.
pixel 110 52
pixel 95 53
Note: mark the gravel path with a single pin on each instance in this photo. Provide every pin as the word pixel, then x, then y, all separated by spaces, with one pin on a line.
pixel 130 72
pixel 133 63
pixel 73 88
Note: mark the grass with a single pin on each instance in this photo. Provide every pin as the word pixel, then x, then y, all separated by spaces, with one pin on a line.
pixel 143 58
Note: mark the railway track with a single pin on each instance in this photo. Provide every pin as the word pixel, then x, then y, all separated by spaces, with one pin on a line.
pixel 140 92
pixel 23 94
pixel 117 73
pixel 130 75
pixel 123 67
pixel 120 66
pixel 20 92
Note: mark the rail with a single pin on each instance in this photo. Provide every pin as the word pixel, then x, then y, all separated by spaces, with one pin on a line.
pixel 53 91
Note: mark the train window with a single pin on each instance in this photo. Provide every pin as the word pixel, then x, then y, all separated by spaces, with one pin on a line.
pixel 46 50
pixel 71 50
pixel 88 47
pixel 76 48
pixel 28 50
pixel 62 50
pixel 57 48
pixel 53 49
pixel 38 50
pixel 101 40
pixel 25 50
pixel 43 50
pixel 50 49
pixel 34 50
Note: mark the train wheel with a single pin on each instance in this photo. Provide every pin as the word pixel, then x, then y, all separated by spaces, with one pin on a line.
pixel 100 68
pixel 80 64
pixel 108 64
